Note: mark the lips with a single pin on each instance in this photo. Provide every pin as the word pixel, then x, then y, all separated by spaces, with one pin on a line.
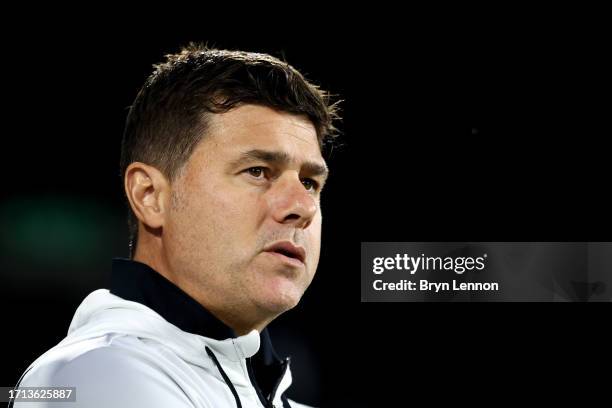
pixel 288 249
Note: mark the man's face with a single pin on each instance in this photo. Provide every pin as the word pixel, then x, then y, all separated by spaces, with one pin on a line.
pixel 253 181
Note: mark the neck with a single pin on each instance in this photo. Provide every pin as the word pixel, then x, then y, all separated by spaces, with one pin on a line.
pixel 240 318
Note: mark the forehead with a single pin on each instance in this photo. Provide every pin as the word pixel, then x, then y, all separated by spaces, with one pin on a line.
pixel 256 127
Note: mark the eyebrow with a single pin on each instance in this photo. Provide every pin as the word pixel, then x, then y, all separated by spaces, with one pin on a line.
pixel 280 158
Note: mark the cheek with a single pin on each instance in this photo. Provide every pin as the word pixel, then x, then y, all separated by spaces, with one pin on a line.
pixel 313 237
pixel 215 220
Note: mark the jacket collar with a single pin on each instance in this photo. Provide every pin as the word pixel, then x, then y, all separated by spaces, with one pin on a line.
pixel 137 282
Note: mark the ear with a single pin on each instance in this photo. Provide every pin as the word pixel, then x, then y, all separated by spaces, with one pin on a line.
pixel 148 192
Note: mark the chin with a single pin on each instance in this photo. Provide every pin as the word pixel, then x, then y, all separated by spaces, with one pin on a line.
pixel 280 301
pixel 277 292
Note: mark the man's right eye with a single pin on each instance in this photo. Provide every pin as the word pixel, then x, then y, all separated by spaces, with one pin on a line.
pixel 256 172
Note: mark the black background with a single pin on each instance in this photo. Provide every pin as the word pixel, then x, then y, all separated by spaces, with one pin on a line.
pixel 498 135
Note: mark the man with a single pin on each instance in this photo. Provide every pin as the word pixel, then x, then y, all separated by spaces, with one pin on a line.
pixel 223 172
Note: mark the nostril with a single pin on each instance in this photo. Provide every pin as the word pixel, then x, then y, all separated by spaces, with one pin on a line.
pixel 292 217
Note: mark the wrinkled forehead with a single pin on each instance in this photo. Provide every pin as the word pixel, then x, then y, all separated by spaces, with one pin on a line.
pixel 252 127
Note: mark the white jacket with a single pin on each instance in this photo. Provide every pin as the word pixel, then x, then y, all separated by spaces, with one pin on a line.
pixel 120 353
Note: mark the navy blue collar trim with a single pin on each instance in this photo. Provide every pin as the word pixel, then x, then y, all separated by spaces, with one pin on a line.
pixel 138 282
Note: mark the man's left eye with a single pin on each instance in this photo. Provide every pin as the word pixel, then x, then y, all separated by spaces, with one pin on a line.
pixel 310 184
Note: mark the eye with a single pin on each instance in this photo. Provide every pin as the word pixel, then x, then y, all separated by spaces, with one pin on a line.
pixel 256 172
pixel 310 184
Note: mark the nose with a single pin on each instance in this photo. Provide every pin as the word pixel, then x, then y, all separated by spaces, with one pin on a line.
pixel 290 202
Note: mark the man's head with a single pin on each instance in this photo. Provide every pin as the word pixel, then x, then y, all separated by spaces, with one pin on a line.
pixel 223 170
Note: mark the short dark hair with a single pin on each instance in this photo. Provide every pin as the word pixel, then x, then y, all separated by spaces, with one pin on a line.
pixel 171 111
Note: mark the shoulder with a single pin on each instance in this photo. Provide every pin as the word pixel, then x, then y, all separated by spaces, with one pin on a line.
pixel 107 376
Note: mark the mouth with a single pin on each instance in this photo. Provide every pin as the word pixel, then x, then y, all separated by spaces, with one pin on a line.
pixel 295 254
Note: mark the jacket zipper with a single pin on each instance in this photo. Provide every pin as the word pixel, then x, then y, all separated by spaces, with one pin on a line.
pixel 273 394
pixel 267 402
